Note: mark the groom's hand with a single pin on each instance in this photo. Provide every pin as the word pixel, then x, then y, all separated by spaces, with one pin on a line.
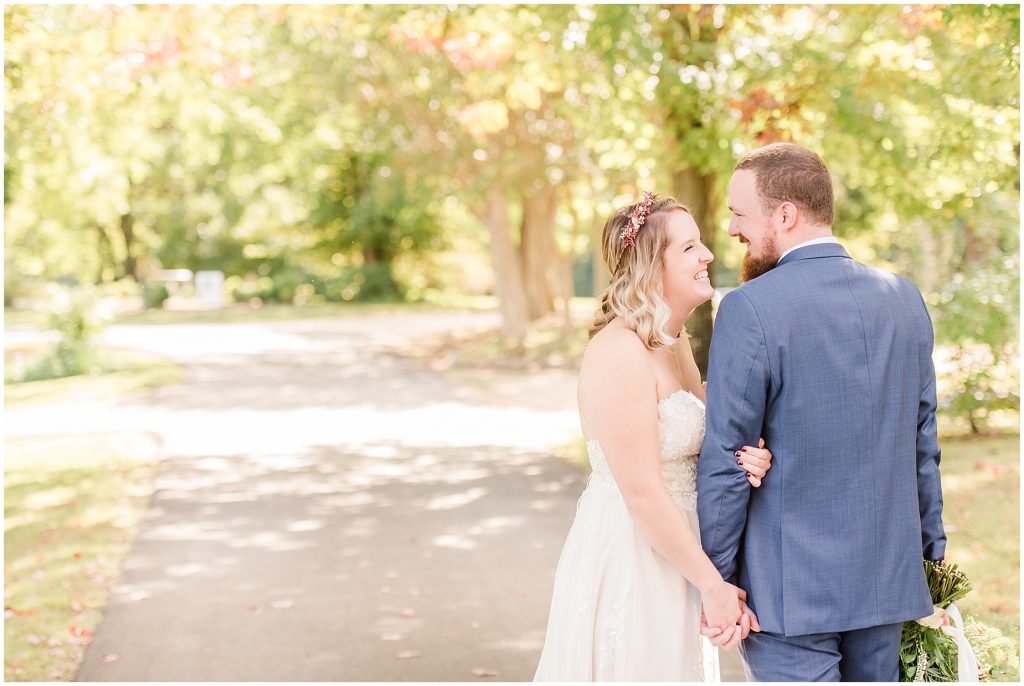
pixel 749 614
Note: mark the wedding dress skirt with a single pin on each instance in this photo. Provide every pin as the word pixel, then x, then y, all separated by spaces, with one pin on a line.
pixel 619 610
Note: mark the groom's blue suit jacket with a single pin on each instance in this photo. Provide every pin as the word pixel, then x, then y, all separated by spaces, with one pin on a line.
pixel 831 362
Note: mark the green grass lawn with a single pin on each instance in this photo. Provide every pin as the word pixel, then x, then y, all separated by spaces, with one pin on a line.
pixel 30 318
pixel 120 372
pixel 981 511
pixel 243 312
pixel 71 509
pixel 264 313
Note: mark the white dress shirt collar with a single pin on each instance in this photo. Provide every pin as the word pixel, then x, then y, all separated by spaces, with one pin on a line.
pixel 813 241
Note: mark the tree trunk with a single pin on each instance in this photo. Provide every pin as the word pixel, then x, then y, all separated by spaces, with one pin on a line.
pixel 540 256
pixel 690 34
pixel 131 265
pixel 601 276
pixel 105 251
pixel 568 261
pixel 696 190
pixel 507 269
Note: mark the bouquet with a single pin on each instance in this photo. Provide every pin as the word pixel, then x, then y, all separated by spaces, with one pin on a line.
pixel 931 647
pixel 944 646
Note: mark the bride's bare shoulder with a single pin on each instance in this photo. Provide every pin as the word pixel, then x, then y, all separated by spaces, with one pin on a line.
pixel 615 346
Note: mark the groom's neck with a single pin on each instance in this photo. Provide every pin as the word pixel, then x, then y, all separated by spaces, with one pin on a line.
pixel 797 235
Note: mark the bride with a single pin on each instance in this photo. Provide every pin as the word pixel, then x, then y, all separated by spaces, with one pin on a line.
pixel 632 581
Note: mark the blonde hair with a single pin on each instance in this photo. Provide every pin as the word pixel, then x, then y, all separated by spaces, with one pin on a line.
pixel 635 291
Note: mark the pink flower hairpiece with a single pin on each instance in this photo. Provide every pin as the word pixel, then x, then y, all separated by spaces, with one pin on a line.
pixel 636 219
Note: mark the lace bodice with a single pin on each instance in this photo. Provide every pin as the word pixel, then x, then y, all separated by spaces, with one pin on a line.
pixel 681 427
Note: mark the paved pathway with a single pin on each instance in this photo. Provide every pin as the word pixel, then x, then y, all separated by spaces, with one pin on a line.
pixel 328 510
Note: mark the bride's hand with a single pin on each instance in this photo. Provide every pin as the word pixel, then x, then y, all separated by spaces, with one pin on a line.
pixel 755 461
pixel 729 638
pixel 721 605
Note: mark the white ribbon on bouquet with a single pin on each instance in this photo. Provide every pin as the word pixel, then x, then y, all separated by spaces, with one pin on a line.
pixel 951 623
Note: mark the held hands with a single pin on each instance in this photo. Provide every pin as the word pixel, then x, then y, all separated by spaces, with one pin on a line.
pixel 720 606
pixel 755 462
pixel 731 636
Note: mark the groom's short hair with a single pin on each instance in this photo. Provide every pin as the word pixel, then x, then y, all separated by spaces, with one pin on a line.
pixel 789 172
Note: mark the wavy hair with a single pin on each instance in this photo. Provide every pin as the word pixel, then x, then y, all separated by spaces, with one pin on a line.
pixel 635 290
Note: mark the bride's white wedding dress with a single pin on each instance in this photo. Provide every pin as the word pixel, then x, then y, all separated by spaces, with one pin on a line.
pixel 620 611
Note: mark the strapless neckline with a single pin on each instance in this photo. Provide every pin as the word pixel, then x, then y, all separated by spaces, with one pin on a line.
pixel 670 396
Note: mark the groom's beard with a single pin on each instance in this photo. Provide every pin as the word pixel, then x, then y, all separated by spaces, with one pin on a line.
pixel 754 267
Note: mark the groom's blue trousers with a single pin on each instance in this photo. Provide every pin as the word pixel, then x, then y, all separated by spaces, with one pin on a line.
pixel 871 654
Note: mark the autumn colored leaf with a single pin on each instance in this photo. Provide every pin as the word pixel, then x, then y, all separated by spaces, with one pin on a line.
pixel 481 672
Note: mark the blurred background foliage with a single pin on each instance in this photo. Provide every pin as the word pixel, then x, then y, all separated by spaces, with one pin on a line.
pixel 399 153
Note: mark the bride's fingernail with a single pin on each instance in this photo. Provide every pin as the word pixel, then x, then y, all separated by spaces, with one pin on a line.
pixel 737 453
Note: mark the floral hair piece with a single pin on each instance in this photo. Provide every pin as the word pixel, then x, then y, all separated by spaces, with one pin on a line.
pixel 636 219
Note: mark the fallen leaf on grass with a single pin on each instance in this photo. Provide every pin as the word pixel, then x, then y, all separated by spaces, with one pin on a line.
pixel 408 654
pixel 33 640
pixel 80 632
pixel 13 611
pixel 482 672
pixel 110 657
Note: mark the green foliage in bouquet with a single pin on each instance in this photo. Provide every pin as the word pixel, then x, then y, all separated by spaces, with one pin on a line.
pixel 928 654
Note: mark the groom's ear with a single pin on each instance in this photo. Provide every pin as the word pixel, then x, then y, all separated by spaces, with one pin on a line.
pixel 788 213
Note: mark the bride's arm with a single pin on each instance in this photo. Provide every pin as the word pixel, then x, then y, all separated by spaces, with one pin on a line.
pixel 688 366
pixel 622 404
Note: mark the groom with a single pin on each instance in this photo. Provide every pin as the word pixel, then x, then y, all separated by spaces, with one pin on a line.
pixel 831 362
